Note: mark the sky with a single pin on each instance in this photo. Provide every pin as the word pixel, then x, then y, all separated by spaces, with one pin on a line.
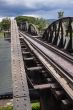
pixel 47 9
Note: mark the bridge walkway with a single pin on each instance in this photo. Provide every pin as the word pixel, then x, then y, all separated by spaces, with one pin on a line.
pixel 21 99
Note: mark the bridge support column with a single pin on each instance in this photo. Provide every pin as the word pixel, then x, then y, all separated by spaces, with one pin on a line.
pixel 44 99
pixel 48 101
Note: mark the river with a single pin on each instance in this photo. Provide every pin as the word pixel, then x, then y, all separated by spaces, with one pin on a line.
pixel 5 67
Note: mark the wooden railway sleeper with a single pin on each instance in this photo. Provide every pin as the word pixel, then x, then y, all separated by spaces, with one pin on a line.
pixel 55 88
pixel 66 105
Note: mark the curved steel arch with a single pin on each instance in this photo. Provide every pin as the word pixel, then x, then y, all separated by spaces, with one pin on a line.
pixel 61 19
pixel 32 29
pixel 24 26
pixel 60 33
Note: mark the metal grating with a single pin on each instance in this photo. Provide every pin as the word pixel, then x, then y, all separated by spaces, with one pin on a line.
pixel 21 100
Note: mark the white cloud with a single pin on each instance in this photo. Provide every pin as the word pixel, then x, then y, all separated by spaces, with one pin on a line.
pixel 32 15
pixel 0 19
pixel 41 8
pixel 35 3
pixel 5 17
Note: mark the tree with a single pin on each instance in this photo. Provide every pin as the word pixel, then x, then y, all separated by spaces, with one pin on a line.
pixel 21 19
pixel 40 23
pixel 5 24
pixel 0 26
pixel 60 14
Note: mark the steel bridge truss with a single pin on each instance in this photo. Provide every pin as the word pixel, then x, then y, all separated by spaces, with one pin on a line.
pixel 60 32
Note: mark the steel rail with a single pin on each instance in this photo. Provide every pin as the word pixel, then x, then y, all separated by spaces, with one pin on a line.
pixel 46 53
pixel 64 64
pixel 56 50
pixel 60 52
pixel 50 68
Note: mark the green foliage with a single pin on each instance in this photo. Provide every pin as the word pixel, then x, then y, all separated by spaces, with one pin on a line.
pixel 35 106
pixel 21 19
pixel 39 22
pixel 0 23
pixel 6 108
pixel 1 35
pixel 5 24
pixel 60 14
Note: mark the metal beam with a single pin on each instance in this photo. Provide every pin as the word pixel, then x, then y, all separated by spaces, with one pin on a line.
pixel 21 100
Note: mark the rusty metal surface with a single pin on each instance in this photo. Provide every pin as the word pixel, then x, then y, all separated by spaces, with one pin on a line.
pixel 21 99
pixel 62 81
pixel 63 63
pixel 42 86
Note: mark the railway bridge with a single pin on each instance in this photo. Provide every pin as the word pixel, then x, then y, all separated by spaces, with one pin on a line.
pixel 42 66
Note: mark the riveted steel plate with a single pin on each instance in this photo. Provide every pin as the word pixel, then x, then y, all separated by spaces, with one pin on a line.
pixel 21 98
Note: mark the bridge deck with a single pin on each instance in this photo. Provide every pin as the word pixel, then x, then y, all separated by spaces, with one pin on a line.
pixel 21 99
pixel 66 65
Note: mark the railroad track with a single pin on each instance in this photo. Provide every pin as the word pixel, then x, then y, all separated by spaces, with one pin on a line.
pixel 41 73
pixel 58 59
pixel 60 52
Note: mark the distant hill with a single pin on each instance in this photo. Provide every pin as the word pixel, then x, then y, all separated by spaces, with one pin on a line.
pixel 50 20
